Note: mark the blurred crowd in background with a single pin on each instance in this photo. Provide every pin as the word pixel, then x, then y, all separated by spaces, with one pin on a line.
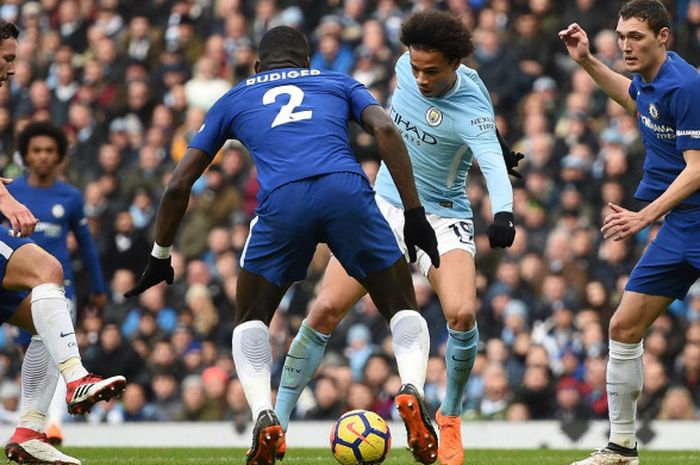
pixel 131 81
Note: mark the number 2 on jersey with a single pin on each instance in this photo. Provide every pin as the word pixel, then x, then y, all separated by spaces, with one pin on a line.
pixel 286 113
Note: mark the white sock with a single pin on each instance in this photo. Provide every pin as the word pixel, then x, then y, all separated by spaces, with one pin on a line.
pixel 53 324
pixel 253 357
pixel 411 343
pixel 39 377
pixel 57 407
pixel 624 379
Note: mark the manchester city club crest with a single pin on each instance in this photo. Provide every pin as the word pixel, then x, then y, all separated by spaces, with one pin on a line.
pixel 57 211
pixel 653 111
pixel 433 117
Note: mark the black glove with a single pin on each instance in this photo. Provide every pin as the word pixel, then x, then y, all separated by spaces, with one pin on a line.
pixel 510 157
pixel 417 232
pixel 502 231
pixel 157 270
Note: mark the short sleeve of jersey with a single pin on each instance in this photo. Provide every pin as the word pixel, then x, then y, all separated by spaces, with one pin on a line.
pixel 686 112
pixel 360 98
pixel 216 128
pixel 632 90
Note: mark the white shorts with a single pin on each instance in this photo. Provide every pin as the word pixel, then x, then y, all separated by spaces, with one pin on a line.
pixel 451 233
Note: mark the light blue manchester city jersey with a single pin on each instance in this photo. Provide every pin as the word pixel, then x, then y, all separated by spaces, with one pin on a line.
pixel 443 135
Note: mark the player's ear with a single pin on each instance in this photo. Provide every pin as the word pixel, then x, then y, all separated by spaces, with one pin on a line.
pixel 306 63
pixel 455 63
pixel 256 66
pixel 664 36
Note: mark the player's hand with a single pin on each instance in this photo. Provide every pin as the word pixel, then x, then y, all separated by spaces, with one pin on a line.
pixel 21 218
pixel 511 157
pixel 622 223
pixel 97 301
pixel 157 270
pixel 502 231
pixel 6 181
pixel 417 232
pixel 576 41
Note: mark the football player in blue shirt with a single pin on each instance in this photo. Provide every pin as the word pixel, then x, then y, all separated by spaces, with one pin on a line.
pixel 663 93
pixel 59 208
pixel 294 120
pixel 446 117
pixel 32 297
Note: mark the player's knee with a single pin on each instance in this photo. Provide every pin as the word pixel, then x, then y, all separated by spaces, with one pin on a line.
pixel 50 271
pixel 622 331
pixel 324 316
pixel 461 317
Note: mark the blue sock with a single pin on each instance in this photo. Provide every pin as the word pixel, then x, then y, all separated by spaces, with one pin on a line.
pixel 459 358
pixel 300 365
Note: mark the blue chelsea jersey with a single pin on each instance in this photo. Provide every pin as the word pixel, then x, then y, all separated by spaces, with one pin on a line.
pixel 59 209
pixel 293 121
pixel 668 116
pixel 443 135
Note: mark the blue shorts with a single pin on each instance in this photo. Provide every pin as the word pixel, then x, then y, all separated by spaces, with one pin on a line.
pixel 671 263
pixel 337 209
pixel 9 300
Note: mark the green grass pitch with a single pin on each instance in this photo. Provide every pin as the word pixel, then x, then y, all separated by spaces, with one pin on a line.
pixel 224 456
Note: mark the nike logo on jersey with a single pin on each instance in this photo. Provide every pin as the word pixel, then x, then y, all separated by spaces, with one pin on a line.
pixel 62 334
pixel 459 359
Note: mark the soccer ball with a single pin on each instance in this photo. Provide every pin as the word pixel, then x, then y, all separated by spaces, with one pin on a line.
pixel 360 437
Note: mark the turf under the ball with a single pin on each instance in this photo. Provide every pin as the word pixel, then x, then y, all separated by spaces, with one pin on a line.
pixel 224 456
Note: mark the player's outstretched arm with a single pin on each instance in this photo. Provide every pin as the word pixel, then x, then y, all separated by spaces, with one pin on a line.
pixel 622 223
pixel 417 229
pixel 615 85
pixel 170 212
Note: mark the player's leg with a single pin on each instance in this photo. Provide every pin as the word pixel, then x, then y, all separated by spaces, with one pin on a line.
pixel 57 409
pixel 39 376
pixel 629 323
pixel 455 285
pixel 369 250
pixel 662 274
pixel 48 315
pixel 256 301
pixel 279 248
pixel 339 292
pixel 392 292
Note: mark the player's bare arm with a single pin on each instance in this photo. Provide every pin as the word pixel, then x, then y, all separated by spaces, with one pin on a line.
pixel 170 212
pixel 393 152
pixel 613 84
pixel 177 194
pixel 417 230
pixel 623 223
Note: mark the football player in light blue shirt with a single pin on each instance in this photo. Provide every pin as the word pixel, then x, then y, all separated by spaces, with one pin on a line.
pixel 445 115
pixel 294 120
pixel 663 94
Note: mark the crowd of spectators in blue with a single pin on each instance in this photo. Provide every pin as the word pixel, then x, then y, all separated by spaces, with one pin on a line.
pixel 131 80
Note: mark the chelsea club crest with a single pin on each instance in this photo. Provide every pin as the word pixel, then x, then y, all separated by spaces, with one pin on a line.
pixel 433 117
pixel 653 111
pixel 58 211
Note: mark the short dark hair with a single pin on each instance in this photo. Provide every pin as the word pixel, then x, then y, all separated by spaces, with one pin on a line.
pixel 652 11
pixel 8 30
pixel 42 128
pixel 283 45
pixel 438 30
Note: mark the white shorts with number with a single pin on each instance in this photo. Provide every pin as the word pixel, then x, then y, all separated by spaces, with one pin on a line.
pixel 451 233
